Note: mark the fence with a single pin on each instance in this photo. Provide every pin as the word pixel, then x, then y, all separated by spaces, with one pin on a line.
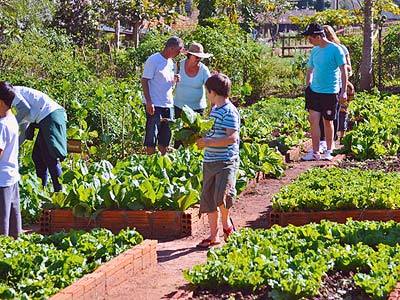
pixel 292 44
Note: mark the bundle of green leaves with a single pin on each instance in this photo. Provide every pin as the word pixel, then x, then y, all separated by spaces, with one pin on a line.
pixel 36 266
pixel 191 126
pixel 322 189
pixel 292 261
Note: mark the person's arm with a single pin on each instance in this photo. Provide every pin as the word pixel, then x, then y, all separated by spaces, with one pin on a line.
pixel 344 78
pixel 148 74
pixel 349 67
pixel 309 76
pixel 232 136
pixel 146 93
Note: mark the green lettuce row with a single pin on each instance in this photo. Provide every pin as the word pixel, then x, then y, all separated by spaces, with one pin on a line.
pixel 36 266
pixel 376 126
pixel 322 189
pixel 292 261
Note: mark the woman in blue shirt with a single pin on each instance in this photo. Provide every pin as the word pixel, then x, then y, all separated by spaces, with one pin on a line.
pixel 193 75
pixel 190 88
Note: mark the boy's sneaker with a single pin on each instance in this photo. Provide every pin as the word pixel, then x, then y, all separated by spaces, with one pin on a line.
pixel 327 155
pixel 311 156
pixel 322 146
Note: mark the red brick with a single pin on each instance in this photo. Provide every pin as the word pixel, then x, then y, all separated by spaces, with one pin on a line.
pixel 61 296
pixel 137 265
pixel 129 269
pixel 75 291
pixel 92 295
pixel 116 279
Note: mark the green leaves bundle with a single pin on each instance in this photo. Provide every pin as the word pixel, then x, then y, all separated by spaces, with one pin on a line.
pixel 191 126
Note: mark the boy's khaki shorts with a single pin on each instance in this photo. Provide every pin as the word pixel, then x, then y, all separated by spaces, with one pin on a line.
pixel 219 181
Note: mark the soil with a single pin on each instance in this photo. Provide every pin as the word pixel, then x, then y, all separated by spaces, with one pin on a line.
pixel 339 285
pixel 166 280
pixel 388 164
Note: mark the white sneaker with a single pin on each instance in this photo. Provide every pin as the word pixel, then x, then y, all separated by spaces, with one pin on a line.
pixel 327 155
pixel 311 156
pixel 322 146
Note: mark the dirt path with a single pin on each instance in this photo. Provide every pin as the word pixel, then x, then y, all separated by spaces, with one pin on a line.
pixel 166 280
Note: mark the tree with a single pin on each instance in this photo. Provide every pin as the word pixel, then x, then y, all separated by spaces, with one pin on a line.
pixel 372 13
pixel 19 16
pixel 366 81
pixel 132 13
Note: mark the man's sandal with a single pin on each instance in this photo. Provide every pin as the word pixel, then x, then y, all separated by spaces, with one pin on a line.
pixel 207 243
pixel 228 232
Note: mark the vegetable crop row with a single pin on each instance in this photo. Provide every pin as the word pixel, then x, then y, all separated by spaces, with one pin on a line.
pixel 291 261
pixel 322 189
pixel 376 126
pixel 36 266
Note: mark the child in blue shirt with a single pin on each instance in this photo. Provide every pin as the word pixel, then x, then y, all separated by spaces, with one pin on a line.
pixel 221 159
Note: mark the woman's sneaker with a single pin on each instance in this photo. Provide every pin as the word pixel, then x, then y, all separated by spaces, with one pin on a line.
pixel 327 155
pixel 311 156
pixel 322 146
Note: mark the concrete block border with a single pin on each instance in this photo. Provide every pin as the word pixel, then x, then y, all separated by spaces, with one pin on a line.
pixel 98 284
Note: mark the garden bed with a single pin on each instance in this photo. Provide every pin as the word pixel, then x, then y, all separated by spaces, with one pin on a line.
pixel 339 216
pixel 356 260
pixel 114 272
pixel 151 224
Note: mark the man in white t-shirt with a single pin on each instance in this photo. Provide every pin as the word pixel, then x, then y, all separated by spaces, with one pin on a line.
pixel 10 215
pixel 157 82
pixel 37 110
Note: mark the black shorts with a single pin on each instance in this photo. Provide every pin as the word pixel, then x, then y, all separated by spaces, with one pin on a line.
pixel 326 104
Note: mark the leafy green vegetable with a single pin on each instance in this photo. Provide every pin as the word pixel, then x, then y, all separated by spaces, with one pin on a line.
pixel 340 189
pixel 292 261
pixel 376 126
pixel 192 126
pixel 36 266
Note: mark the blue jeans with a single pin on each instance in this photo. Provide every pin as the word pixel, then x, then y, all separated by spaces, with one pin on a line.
pixel 158 132
pixel 45 162
pixel 10 214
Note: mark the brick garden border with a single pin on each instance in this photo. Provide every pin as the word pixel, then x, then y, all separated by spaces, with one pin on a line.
pixel 395 294
pixel 112 273
pixel 151 224
pixel 340 216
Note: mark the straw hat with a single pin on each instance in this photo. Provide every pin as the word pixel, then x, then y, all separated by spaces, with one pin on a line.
pixel 197 49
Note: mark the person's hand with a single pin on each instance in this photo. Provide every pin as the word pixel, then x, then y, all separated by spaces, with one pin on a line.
pixel 177 78
pixel 150 108
pixel 343 96
pixel 201 143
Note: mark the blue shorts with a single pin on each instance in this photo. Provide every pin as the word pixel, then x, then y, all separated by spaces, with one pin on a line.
pixel 157 132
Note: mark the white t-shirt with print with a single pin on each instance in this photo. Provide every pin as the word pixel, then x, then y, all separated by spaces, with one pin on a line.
pixel 160 72
pixel 9 174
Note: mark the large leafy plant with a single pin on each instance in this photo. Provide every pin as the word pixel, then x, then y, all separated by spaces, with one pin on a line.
pixel 191 126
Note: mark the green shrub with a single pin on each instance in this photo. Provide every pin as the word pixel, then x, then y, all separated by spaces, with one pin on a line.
pixel 391 54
